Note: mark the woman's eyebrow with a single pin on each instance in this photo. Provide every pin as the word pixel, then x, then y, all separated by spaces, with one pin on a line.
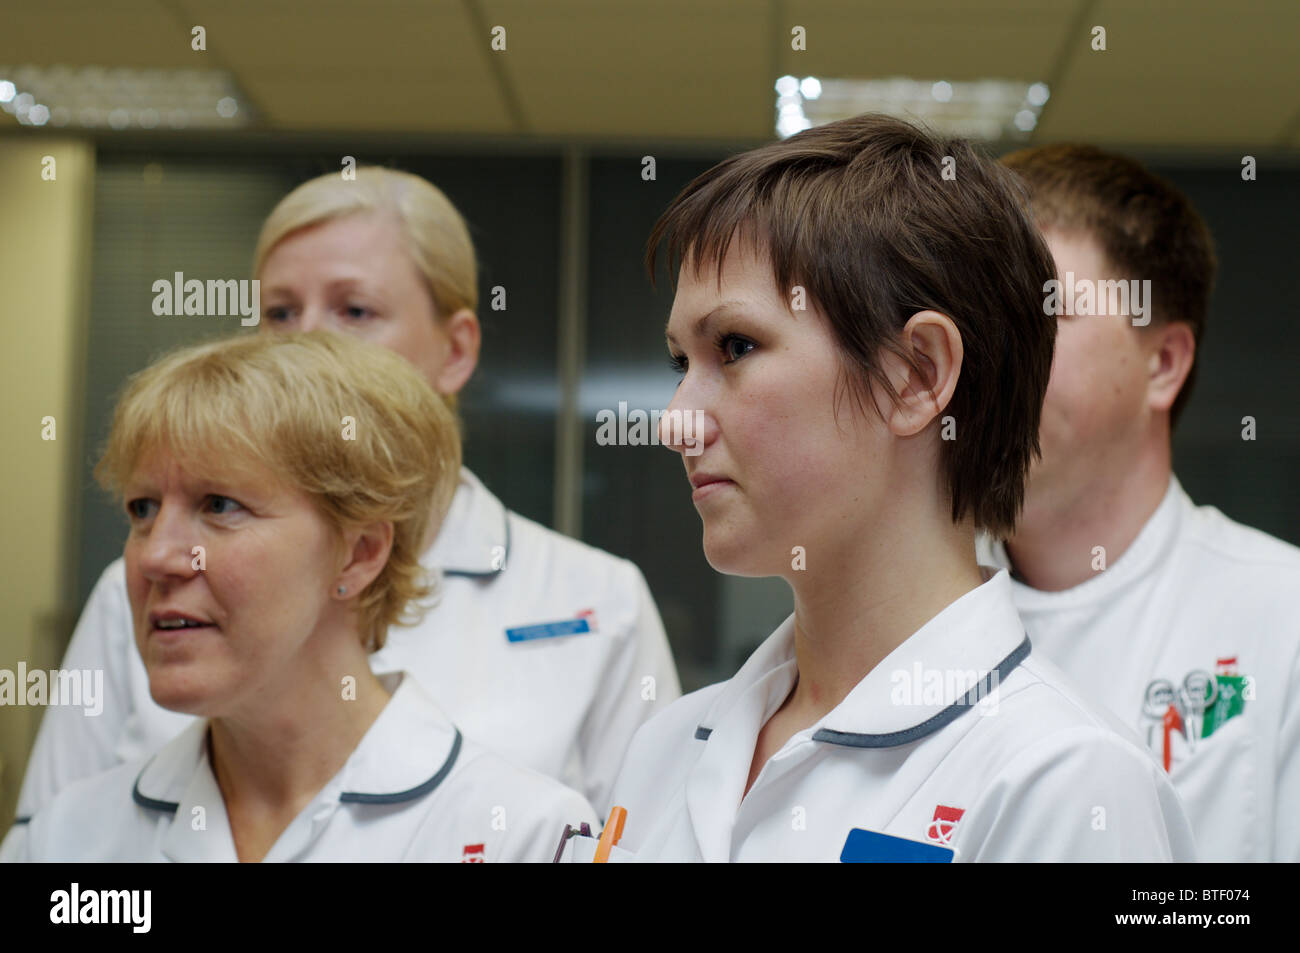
pixel 276 289
pixel 333 286
pixel 700 328
pixel 344 284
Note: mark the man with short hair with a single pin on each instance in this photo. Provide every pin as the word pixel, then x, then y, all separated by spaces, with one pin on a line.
pixel 1183 622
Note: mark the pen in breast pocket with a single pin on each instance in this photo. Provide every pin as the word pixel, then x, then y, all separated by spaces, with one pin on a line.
pixel 611 834
pixel 570 831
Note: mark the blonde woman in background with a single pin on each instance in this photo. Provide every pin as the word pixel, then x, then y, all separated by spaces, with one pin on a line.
pixel 545 649
pixel 280 491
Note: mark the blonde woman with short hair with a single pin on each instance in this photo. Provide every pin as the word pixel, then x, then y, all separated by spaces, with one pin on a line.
pixel 279 491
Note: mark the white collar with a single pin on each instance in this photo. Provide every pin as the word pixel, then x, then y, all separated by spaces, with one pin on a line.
pixel 408 751
pixel 978 633
pixel 475 536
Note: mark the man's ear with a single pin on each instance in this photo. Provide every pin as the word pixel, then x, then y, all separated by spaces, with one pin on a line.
pixel 463 339
pixel 935 345
pixel 365 553
pixel 1171 350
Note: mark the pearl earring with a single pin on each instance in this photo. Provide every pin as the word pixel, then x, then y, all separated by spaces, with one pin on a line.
pixel 343 590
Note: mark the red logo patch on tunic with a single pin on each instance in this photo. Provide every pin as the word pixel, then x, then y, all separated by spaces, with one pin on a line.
pixel 473 854
pixel 945 821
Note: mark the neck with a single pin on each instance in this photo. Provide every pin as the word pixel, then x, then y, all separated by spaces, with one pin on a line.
pixel 1054 545
pixel 274 755
pixel 870 597
pixel 435 525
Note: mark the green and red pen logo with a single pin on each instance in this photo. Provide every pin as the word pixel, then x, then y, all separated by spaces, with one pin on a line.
pixel 1194 710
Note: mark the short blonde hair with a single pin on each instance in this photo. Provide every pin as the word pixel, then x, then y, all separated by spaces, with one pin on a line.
pixel 279 402
pixel 434 233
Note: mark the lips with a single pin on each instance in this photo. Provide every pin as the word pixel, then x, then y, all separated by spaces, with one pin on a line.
pixel 175 621
pixel 708 484
pixel 704 479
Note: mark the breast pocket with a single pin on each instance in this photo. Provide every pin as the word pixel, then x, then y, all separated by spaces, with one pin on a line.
pixel 1218 782
pixel 582 850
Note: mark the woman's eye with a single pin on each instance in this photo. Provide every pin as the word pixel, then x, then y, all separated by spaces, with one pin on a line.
pixel 222 504
pixel 729 344
pixel 276 314
pixel 677 362
pixel 357 311
pixel 138 509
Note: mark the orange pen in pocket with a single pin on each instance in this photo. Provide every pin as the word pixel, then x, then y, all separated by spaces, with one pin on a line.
pixel 611 834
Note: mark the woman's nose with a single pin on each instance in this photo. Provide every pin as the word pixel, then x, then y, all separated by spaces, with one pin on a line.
pixel 686 429
pixel 313 319
pixel 168 550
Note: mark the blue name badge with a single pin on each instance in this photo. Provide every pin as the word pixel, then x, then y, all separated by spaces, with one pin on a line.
pixel 872 847
pixel 548 630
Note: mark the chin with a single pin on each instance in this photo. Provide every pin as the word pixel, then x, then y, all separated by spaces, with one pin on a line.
pixel 179 692
pixel 733 556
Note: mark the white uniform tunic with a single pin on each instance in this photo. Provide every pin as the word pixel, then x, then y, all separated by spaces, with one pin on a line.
pixel 415 789
pixel 546 650
pixel 1192 637
pixel 1023 772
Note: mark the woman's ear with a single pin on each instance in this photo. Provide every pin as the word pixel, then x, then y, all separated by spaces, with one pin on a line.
pixel 365 553
pixel 935 345
pixel 463 339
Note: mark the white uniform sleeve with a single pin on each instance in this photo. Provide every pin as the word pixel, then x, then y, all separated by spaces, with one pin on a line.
pixel 1286 800
pixel 70 743
pixel 1079 795
pixel 620 706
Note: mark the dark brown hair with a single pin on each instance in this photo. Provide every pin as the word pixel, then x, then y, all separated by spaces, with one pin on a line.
pixel 859 213
pixel 1146 228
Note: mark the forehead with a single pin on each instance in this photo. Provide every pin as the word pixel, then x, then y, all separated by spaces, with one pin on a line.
pixel 742 279
pixel 353 246
pixel 195 467
pixel 1076 250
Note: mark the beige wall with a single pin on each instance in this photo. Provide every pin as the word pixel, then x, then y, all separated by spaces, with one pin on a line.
pixel 45 231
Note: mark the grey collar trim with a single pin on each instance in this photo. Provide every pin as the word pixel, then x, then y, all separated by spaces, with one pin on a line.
pixel 171 807
pixel 347 797
pixel 487 573
pixel 352 797
pixel 895 738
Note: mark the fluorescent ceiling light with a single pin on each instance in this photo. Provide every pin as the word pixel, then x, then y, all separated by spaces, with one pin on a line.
pixel 94 97
pixel 988 109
